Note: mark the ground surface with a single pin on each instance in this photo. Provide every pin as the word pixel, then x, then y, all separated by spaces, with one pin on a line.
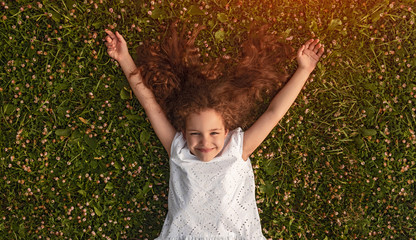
pixel 78 159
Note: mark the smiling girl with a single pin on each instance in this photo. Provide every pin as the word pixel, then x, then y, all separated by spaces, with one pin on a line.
pixel 198 112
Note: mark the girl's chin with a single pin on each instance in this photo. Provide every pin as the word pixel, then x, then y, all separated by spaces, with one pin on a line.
pixel 204 156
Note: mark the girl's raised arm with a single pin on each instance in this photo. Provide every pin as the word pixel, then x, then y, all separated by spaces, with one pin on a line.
pixel 307 57
pixel 117 49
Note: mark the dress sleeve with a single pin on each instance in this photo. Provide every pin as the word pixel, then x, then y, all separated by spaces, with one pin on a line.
pixel 177 143
pixel 236 141
pixel 240 140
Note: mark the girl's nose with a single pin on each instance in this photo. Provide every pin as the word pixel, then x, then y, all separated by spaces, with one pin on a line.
pixel 204 139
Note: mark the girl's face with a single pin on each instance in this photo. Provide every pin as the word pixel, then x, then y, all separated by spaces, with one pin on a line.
pixel 205 134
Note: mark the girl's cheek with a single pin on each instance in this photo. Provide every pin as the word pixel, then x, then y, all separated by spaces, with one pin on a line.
pixel 193 139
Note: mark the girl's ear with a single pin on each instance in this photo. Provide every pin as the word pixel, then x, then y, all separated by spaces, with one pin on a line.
pixel 226 131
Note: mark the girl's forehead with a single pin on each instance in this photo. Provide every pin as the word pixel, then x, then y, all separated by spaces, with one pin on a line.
pixel 205 118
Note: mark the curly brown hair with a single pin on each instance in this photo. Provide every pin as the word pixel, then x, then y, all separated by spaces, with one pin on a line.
pixel 236 88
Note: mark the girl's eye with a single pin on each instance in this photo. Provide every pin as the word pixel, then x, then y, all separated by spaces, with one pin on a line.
pixel 194 134
pixel 214 133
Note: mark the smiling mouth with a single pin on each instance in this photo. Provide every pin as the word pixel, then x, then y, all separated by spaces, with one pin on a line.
pixel 205 150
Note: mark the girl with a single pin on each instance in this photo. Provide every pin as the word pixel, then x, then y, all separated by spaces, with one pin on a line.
pixel 197 111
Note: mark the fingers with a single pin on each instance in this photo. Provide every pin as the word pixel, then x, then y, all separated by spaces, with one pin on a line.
pixel 113 39
pixel 108 44
pixel 111 34
pixel 108 39
pixel 308 43
pixel 317 48
pixel 120 37
pixel 300 51
pixel 314 46
pixel 111 45
pixel 320 51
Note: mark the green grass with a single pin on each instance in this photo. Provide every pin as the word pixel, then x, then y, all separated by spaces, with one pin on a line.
pixel 79 160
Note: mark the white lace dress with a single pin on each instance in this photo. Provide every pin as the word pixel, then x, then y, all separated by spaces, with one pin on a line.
pixel 211 200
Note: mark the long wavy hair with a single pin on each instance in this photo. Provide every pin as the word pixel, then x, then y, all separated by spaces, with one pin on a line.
pixel 237 88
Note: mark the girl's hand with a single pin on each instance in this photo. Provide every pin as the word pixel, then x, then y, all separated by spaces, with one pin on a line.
pixel 309 54
pixel 116 46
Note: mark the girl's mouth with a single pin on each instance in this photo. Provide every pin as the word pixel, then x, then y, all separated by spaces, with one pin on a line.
pixel 204 150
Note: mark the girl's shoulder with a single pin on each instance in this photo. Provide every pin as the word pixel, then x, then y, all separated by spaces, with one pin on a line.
pixel 236 135
pixel 177 142
pixel 234 141
pixel 238 132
